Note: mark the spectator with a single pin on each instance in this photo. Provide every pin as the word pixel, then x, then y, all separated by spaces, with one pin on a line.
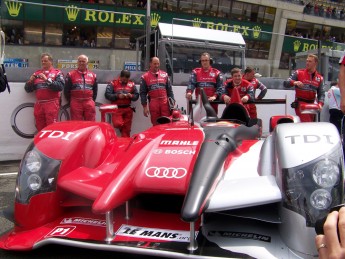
pixel 155 88
pixel 309 87
pixel 341 82
pixel 207 77
pixel 335 114
pixel 47 83
pixel 250 76
pixel 122 92
pixel 81 91
pixel 244 87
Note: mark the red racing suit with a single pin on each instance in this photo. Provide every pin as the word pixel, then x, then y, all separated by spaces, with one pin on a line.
pixel 245 88
pixel 263 90
pixel 48 93
pixel 211 80
pixel 81 91
pixel 156 89
pixel 313 88
pixel 122 118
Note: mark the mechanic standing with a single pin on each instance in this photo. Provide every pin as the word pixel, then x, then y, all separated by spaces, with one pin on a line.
pixel 48 83
pixel 207 77
pixel 156 94
pixel 309 87
pixel 122 91
pixel 251 76
pixel 244 87
pixel 81 91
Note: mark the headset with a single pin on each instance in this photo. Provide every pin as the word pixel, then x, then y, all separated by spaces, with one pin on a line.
pixel 206 54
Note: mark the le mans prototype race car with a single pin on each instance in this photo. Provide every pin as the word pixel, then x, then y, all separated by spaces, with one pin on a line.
pixel 193 186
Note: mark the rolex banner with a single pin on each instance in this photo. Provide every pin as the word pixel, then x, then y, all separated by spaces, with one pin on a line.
pixel 77 13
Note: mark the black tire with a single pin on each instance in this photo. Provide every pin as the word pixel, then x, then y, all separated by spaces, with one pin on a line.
pixel 14 124
pixel 62 112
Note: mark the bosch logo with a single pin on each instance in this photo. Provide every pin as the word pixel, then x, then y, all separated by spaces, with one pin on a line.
pixel 165 172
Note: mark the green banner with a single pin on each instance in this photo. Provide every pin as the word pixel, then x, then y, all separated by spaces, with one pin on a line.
pixel 112 16
pixel 294 45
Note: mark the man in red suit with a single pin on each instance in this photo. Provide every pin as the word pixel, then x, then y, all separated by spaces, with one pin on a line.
pixel 47 82
pixel 309 87
pixel 122 91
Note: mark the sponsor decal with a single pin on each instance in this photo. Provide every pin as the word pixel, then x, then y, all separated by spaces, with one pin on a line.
pixel 242 235
pixel 154 233
pixel 173 152
pixel 61 231
pixel 55 134
pixel 309 139
pixel 179 143
pixel 165 172
pixel 84 221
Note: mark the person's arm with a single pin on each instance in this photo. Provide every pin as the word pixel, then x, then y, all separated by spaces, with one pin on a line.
pixel 95 89
pixel 263 90
pixel 330 244
pixel 110 93
pixel 219 86
pixel 29 85
pixel 191 85
pixel 225 96
pixel 143 96
pixel 168 87
pixel 135 94
pixel 292 80
pixel 341 83
pixel 68 87
pixel 250 94
pixel 56 84
pixel 321 94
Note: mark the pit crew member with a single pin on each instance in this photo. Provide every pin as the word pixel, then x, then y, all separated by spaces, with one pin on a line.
pixel 122 91
pixel 47 83
pixel 309 87
pixel 81 91
pixel 155 92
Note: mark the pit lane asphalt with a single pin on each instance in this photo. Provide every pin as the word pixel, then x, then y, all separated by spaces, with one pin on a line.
pixel 8 174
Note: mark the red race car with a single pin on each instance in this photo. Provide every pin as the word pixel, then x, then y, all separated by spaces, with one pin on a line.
pixel 192 186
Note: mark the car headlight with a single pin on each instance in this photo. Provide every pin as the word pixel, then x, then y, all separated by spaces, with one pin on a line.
pixel 34 182
pixel 321 199
pixel 326 173
pixel 311 189
pixel 32 161
pixel 38 174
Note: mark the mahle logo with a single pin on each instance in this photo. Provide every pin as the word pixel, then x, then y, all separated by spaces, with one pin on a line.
pixel 72 12
pixel 296 45
pixel 155 18
pixel 256 32
pixel 13 8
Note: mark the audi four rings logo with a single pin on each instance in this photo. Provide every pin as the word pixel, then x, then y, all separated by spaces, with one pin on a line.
pixel 165 172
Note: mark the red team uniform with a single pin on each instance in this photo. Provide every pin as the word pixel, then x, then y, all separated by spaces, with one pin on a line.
pixel 313 91
pixel 211 80
pixel 81 91
pixel 155 88
pixel 245 88
pixel 48 93
pixel 123 116
pixel 263 89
